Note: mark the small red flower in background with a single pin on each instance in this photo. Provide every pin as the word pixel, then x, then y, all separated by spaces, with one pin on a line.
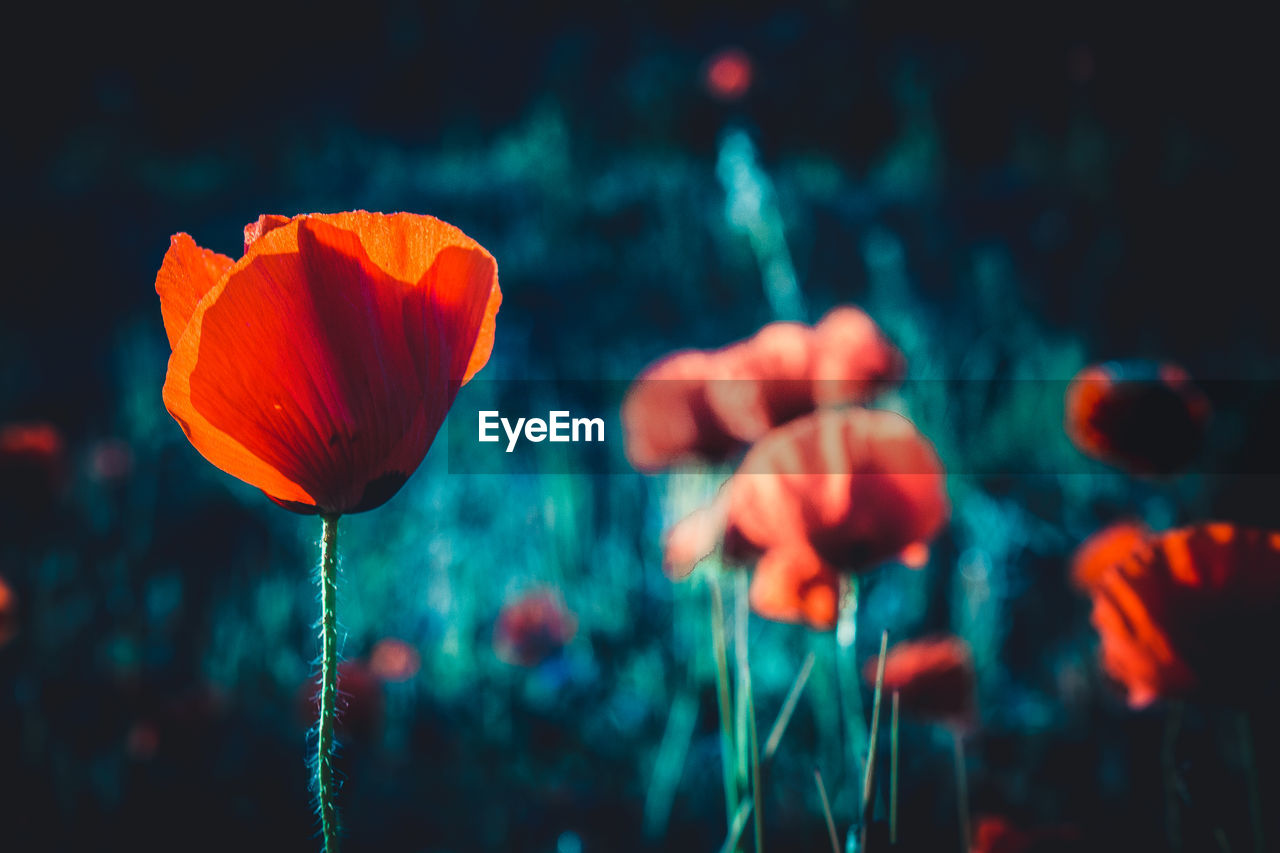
pixel 532 629
pixel 394 660
pixel 32 462
pixel 1143 417
pixel 728 74
pixel 360 700
pixel 707 405
pixel 1109 546
pixel 858 486
pixel 320 365
pixel 1192 611
pixel 996 834
pixel 934 678
pixel 8 612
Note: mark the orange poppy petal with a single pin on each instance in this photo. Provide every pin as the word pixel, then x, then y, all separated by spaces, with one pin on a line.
pixel 187 273
pixel 317 376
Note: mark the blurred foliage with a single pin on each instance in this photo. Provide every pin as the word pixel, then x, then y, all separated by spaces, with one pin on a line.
pixel 1006 211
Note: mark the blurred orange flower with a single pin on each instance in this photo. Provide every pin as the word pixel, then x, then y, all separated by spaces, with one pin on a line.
pixel 858 486
pixel 532 629
pixel 1188 611
pixel 791 583
pixel 1111 545
pixel 707 405
pixel 1143 417
pixel 666 419
pixel 934 678
pixel 320 365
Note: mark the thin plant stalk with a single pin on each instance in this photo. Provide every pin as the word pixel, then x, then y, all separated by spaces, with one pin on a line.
pixel 788 709
pixel 826 811
pixel 962 791
pixel 748 749
pixel 847 672
pixel 325 792
pixel 869 780
pixel 742 689
pixel 723 702
pixel 893 773
pixel 736 827
pixel 1251 780
pixel 1169 757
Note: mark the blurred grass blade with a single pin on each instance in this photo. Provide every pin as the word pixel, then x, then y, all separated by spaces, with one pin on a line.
pixel 826 811
pixel 723 701
pixel 742 694
pixel 757 795
pixel 962 792
pixel 788 708
pixel 669 765
pixel 869 780
pixel 893 773
pixel 847 674
pixel 736 826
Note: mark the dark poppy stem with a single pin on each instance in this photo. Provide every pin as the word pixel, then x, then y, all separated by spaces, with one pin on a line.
pixel 325 793
pixel 1251 780
pixel 962 792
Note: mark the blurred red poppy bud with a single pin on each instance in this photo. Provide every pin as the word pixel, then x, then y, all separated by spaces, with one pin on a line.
pixel 1143 417
pixel 727 74
pixel 394 660
pixel 934 678
pixel 1104 549
pixel 32 462
pixel 532 629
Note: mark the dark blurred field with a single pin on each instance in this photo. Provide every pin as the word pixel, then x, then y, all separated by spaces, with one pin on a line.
pixel 1011 193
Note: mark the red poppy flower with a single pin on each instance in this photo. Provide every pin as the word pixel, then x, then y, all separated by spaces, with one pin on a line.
pixel 1111 545
pixel 995 834
pixel 320 365
pixel 728 74
pixel 394 660
pixel 858 485
pixel 700 405
pixel 532 629
pixel 791 583
pixel 1143 417
pixel 8 612
pixel 666 419
pixel 1191 611
pixel 934 678
pixel 787 370
pixel 32 462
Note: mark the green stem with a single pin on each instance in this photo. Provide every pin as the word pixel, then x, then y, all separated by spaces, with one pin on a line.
pixel 328 684
pixel 1251 779
pixel 893 774
pixel 962 793
pixel 848 676
pixel 727 751
pixel 869 779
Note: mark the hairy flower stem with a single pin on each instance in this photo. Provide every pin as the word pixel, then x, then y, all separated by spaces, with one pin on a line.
pixel 328 684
